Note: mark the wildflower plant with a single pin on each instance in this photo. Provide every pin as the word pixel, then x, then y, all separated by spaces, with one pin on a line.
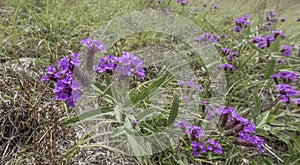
pixel 148 111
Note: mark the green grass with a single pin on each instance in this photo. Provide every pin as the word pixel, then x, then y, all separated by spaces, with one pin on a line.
pixel 47 30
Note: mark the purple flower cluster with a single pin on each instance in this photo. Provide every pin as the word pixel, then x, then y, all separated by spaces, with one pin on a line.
pixel 209 145
pixel 243 129
pixel 106 64
pixel 183 2
pixel 93 45
pixel 226 67
pixel 286 50
pixel 205 37
pixel 241 22
pixel 270 18
pixel 263 42
pixel 277 33
pixel 195 133
pixel 285 76
pixel 286 91
pixel 229 53
pixel 129 65
pixel 66 88
pixel 297 101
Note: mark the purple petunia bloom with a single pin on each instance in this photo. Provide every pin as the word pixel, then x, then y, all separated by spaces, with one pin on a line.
pixel 286 50
pixel 226 67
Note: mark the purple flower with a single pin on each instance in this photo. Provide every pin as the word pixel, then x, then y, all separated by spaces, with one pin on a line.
pixel 134 122
pixel 286 50
pixel 262 42
pixel 190 83
pixel 158 1
pixel 206 36
pixel 280 60
pixel 277 33
pixel 297 101
pixel 226 51
pixel 181 83
pixel 271 16
pixel 106 64
pixel 286 76
pixel 183 2
pixel 283 19
pixel 165 10
pixel 93 45
pixel 182 124
pixel 285 91
pixel 205 5
pixel 216 7
pixel 298 19
pixel 226 67
pixel 222 36
pixel 186 99
pixel 129 65
pixel 75 60
pixel 194 132
pixel 65 88
pixel 241 22
pixel 237 28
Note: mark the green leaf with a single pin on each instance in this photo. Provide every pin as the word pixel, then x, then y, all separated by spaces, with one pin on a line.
pixel 174 110
pixel 148 91
pixel 108 83
pixel 117 113
pixel 275 45
pixel 269 68
pixel 262 119
pixel 88 114
pixel 146 113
